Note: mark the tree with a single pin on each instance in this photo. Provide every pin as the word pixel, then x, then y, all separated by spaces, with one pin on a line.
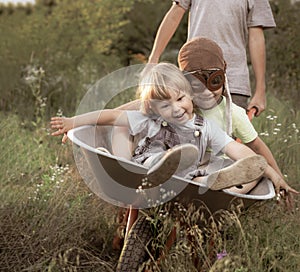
pixel 72 40
pixel 283 43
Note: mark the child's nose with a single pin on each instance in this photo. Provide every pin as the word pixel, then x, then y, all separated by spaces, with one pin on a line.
pixel 207 92
pixel 176 108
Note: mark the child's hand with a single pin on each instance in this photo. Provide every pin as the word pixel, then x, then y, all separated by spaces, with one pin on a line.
pixel 285 199
pixel 278 182
pixel 281 185
pixel 62 126
pixel 284 193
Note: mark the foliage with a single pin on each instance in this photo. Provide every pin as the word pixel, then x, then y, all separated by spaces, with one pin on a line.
pixel 283 57
pixel 49 220
pixel 77 42
pixel 262 238
pixel 279 129
pixel 140 32
pixel 72 41
pixel 25 153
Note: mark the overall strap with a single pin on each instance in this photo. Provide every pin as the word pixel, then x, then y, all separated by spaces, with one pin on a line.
pixel 199 121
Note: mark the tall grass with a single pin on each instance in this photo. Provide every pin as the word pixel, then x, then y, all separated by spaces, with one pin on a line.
pixel 51 221
pixel 279 128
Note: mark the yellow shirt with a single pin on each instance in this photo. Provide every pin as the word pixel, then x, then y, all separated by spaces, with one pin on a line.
pixel 242 128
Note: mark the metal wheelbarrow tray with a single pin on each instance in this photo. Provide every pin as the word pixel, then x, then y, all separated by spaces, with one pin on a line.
pixel 119 181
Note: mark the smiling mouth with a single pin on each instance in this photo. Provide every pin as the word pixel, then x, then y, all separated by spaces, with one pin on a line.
pixel 207 99
pixel 179 116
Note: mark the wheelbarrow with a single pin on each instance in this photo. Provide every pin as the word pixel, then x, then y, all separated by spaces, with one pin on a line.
pixel 121 182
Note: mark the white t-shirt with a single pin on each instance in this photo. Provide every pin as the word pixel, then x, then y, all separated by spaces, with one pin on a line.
pixel 226 22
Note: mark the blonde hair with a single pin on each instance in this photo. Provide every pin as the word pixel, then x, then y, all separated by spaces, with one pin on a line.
pixel 156 83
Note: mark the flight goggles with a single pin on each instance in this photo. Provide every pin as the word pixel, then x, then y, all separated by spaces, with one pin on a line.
pixel 213 78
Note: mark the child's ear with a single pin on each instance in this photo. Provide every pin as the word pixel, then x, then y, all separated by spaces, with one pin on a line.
pixel 194 107
pixel 223 89
pixel 148 108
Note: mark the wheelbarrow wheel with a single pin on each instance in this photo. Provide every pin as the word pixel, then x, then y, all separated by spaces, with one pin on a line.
pixel 134 251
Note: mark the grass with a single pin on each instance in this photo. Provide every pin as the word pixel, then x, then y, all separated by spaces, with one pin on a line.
pixel 51 221
pixel 279 128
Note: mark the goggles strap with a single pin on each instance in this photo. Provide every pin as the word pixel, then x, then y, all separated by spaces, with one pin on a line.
pixel 228 114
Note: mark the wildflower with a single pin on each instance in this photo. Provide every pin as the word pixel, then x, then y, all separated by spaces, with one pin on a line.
pixel 221 255
pixel 59 112
pixel 162 190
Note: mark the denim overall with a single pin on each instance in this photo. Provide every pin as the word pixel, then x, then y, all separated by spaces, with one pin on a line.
pixel 168 137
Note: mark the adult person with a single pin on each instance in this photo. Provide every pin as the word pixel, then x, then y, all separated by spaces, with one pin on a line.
pixel 231 24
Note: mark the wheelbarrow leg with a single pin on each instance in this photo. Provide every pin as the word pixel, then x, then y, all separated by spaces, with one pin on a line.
pixel 118 239
pixel 132 215
pixel 125 220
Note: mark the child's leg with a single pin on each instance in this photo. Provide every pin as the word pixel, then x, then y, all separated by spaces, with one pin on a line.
pixel 247 170
pixel 216 164
pixel 164 164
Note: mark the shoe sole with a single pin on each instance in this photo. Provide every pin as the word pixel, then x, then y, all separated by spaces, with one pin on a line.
pixel 177 159
pixel 241 172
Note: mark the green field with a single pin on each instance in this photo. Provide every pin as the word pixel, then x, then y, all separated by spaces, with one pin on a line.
pixel 51 221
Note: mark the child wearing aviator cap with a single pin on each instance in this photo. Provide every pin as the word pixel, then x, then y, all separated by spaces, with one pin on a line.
pixel 203 64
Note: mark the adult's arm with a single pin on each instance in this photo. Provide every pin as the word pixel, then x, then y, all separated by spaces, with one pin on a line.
pixel 166 31
pixel 257 52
